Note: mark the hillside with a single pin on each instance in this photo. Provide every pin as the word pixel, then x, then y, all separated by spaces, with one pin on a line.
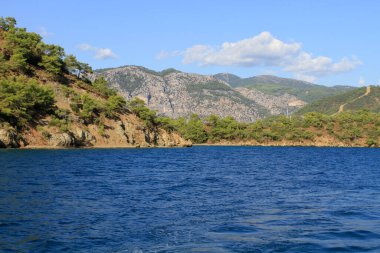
pixel 346 129
pixel 361 98
pixel 276 86
pixel 178 94
pixel 46 100
pixel 175 94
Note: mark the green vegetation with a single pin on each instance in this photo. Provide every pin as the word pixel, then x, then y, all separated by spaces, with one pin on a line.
pixel 157 73
pixel 351 99
pixel 137 106
pixel 199 87
pixel 24 60
pixel 348 127
pixel 304 92
pixel 273 85
pixel 22 100
pixel 24 52
pixel 33 74
pixel 370 102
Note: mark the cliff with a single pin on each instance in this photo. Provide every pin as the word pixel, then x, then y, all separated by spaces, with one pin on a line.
pixel 124 129
pixel 176 94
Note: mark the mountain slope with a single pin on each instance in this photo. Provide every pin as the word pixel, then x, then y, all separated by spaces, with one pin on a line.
pixel 177 94
pixel 361 98
pixel 47 101
pixel 273 85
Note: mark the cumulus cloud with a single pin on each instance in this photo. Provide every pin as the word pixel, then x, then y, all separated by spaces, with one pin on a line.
pixel 99 53
pixel 262 49
pixel 266 50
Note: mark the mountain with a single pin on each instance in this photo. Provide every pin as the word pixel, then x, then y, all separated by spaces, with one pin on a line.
pixel 47 101
pixel 358 99
pixel 175 94
pixel 274 85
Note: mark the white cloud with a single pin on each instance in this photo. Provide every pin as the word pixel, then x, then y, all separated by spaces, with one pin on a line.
pixel 262 49
pixel 361 81
pixel 100 53
pixel 266 50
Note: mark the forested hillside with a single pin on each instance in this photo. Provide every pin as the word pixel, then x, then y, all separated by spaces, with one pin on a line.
pixel 274 85
pixel 361 98
pixel 47 100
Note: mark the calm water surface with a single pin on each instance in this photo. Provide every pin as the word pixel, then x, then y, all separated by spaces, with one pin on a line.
pixel 201 199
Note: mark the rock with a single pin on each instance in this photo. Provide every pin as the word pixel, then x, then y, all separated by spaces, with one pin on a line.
pixel 121 131
pixel 9 138
pixel 84 138
pixel 176 94
pixel 276 104
pixel 166 139
pixel 63 140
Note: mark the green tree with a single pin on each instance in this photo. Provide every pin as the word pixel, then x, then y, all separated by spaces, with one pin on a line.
pixel 76 67
pixel 21 100
pixel 100 85
pixel 51 58
pixel 137 106
pixel 194 130
pixel 115 104
pixel 7 23
pixel 22 47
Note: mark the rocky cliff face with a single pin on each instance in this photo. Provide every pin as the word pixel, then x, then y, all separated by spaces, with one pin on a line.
pixel 176 94
pixel 8 137
pixel 281 104
pixel 127 131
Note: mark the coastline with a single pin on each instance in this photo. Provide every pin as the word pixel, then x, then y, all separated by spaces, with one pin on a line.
pixel 281 145
pixel 195 145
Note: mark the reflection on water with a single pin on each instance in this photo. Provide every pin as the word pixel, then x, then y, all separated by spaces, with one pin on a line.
pixel 202 199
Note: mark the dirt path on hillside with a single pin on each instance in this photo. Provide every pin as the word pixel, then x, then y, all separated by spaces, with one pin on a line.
pixel 368 90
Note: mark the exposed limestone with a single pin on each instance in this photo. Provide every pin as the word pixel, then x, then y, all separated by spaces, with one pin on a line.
pixel 177 94
pixel 84 138
pixel 276 104
pixel 9 138
pixel 62 140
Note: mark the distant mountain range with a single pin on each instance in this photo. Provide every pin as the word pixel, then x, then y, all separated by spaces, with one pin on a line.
pixel 174 93
pixel 274 85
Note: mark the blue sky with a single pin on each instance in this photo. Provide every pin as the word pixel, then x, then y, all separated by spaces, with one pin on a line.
pixel 328 42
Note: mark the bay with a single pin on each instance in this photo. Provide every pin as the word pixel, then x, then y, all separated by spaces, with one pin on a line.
pixel 200 199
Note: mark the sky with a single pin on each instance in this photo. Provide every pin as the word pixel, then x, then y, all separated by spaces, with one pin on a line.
pixel 329 42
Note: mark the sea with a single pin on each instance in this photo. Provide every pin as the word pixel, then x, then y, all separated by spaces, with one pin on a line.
pixel 199 199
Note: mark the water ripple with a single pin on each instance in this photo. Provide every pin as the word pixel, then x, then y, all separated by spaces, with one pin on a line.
pixel 202 199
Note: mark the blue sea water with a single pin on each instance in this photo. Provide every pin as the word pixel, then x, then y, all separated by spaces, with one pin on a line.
pixel 200 199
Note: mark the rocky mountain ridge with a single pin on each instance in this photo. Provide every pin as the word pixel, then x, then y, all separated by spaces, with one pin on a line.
pixel 178 94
